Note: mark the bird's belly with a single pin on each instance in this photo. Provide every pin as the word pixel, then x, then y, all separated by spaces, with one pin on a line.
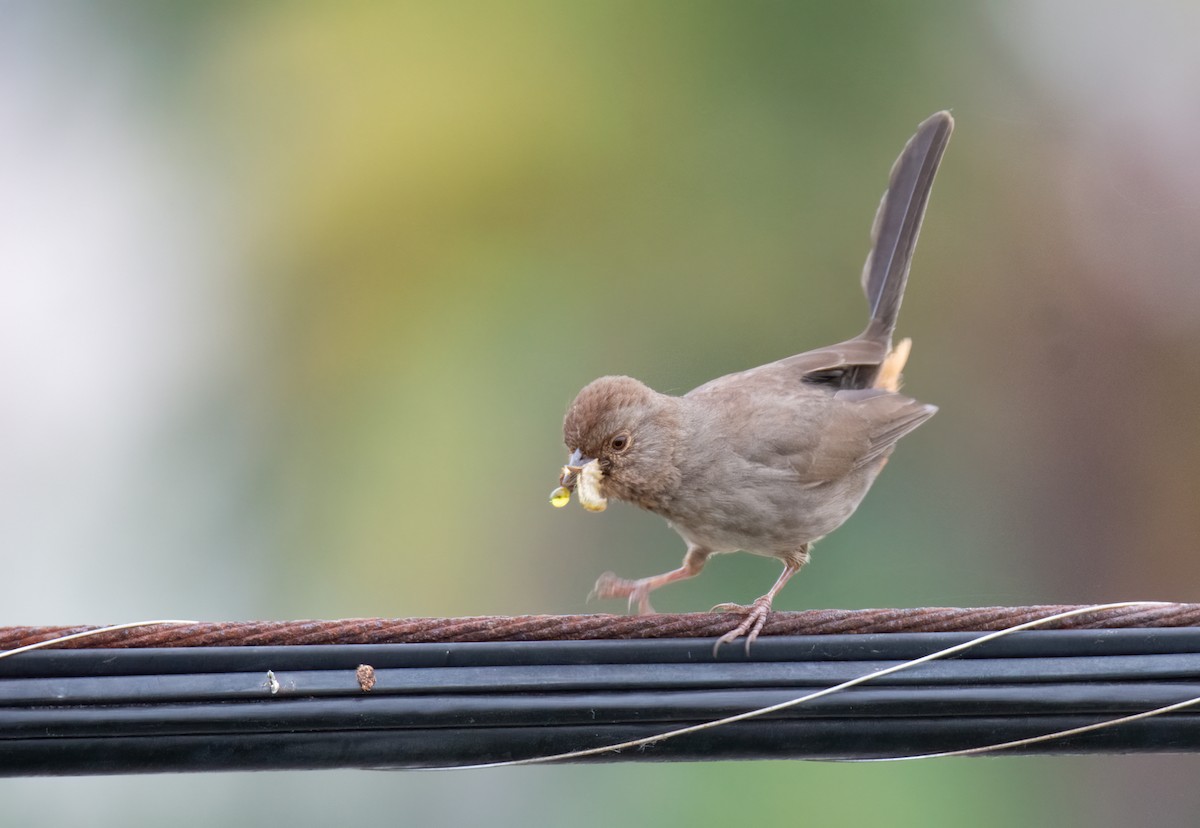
pixel 772 521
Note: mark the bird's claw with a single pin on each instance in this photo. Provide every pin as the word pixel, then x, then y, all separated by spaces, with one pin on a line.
pixel 609 585
pixel 750 626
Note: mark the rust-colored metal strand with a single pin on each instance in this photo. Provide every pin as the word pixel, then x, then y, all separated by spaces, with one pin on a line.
pixel 593 627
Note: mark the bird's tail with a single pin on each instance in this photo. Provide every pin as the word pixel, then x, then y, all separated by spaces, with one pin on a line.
pixel 898 223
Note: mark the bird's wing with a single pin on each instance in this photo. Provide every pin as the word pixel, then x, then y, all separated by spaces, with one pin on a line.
pixel 830 367
pixel 833 435
pixel 887 416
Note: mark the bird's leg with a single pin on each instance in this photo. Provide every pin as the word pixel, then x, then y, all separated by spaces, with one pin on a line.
pixel 757 612
pixel 638 592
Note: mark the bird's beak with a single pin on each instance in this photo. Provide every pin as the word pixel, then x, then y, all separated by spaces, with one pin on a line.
pixel 570 472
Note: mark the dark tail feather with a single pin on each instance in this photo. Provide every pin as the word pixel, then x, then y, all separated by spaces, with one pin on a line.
pixel 898 223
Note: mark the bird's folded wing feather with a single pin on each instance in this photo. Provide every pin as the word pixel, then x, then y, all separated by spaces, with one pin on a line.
pixel 834 434
pixel 888 416
pixel 808 366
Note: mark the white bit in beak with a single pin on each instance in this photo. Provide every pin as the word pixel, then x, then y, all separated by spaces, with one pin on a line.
pixel 588 487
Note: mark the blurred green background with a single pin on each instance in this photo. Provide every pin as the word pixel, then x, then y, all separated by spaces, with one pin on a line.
pixel 293 297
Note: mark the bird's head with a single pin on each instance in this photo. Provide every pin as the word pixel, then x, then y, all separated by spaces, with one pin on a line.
pixel 622 438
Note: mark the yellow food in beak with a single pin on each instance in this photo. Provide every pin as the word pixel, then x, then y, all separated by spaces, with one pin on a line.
pixel 586 482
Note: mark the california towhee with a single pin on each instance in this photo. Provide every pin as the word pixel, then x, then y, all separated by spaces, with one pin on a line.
pixel 771 459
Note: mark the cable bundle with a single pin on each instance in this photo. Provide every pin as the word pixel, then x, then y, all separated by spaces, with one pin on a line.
pixel 95 711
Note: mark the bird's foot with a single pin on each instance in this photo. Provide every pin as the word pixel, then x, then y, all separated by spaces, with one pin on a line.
pixel 609 585
pixel 756 616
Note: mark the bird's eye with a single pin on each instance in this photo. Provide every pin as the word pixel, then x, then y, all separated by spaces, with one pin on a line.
pixel 619 443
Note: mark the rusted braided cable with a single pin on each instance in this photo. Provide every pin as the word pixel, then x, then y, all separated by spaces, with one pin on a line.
pixel 592 627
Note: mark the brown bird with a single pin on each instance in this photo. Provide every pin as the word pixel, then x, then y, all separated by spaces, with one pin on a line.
pixel 772 459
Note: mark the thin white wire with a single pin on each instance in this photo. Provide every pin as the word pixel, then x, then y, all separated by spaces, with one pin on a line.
pixel 85 634
pixel 854 682
pixel 1033 740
